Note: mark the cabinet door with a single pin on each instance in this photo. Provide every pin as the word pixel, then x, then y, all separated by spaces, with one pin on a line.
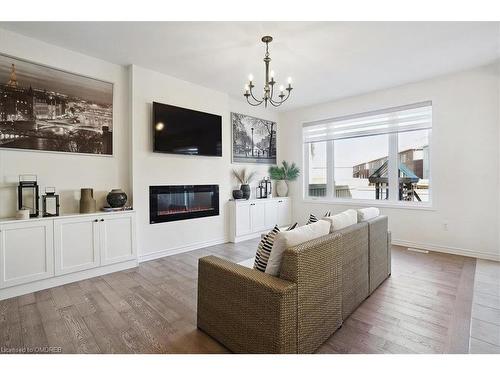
pixel 76 244
pixel 26 252
pixel 243 221
pixel 271 214
pixel 284 212
pixel 258 216
pixel 117 238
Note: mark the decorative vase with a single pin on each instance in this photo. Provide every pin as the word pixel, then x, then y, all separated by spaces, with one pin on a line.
pixel 245 188
pixel 237 194
pixel 87 201
pixel 281 188
pixel 116 198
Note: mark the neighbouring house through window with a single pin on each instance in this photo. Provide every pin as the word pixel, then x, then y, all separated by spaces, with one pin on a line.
pixel 380 155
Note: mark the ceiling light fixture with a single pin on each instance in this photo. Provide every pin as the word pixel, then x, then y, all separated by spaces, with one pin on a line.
pixel 269 84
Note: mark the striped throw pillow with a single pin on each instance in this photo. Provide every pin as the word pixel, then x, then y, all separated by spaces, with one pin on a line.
pixel 328 213
pixel 264 250
pixel 293 226
pixel 312 219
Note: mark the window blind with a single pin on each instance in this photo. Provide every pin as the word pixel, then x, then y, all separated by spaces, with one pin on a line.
pixel 399 119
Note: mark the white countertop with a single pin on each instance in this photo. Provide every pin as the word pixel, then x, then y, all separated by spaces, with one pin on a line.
pixel 257 199
pixel 63 216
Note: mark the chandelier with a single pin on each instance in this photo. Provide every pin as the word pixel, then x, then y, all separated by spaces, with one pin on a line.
pixel 268 95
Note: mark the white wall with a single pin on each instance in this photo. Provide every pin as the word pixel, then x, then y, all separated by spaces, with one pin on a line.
pixel 464 160
pixel 465 154
pixel 67 172
pixel 164 169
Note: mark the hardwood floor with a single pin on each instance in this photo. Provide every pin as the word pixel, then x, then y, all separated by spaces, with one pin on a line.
pixel 424 307
pixel 485 326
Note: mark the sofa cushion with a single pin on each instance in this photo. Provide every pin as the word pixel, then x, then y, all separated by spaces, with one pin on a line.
pixel 365 214
pixel 284 240
pixel 264 250
pixel 342 220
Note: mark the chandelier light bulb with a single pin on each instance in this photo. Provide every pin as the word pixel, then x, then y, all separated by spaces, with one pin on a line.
pixel 247 88
pixel 282 88
pixel 250 77
pixel 272 74
pixel 289 80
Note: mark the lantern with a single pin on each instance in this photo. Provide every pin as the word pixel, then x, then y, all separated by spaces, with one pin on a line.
pixel 27 194
pixel 50 202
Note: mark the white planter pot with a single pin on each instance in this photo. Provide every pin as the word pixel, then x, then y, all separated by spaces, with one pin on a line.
pixel 281 188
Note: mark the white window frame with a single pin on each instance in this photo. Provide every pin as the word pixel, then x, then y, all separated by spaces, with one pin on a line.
pixel 393 174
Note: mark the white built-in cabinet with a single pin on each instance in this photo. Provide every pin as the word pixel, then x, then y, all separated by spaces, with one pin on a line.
pixel 44 248
pixel 249 218
pixel 117 239
pixel 26 252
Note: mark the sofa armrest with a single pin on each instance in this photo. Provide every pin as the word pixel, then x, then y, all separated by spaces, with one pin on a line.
pixel 380 251
pixel 316 267
pixel 246 310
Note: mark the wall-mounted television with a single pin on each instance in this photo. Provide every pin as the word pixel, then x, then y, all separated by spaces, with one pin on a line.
pixel 184 131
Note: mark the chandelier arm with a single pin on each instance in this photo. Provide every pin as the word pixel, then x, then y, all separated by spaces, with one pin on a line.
pixel 254 104
pixel 278 103
pixel 254 98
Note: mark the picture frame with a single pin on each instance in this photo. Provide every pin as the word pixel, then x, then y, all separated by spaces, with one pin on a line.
pixel 45 109
pixel 253 140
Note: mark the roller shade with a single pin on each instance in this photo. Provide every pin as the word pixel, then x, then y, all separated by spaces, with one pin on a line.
pixel 406 118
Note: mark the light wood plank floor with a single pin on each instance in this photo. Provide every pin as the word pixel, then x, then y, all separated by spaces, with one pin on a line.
pixel 485 326
pixel 424 307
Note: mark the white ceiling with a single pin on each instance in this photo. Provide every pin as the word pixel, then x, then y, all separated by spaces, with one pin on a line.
pixel 328 60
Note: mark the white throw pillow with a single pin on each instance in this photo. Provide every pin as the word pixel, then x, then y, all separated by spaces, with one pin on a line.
pixel 365 214
pixel 284 240
pixel 342 220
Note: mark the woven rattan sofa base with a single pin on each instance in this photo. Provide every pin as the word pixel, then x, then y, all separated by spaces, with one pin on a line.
pixel 321 283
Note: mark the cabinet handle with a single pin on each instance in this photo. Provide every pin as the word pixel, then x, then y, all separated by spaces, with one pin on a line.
pixel 280 201
pixel 102 219
pixel 95 221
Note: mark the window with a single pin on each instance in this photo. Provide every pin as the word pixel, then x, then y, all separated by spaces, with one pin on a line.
pixel 317 169
pixel 381 155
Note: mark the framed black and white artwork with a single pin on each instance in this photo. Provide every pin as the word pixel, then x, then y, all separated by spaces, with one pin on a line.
pixel 253 139
pixel 46 109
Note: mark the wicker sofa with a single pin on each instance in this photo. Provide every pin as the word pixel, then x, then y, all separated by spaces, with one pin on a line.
pixel 321 282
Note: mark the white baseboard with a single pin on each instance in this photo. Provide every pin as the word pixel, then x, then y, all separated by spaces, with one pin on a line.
pixel 447 250
pixel 180 249
pixel 51 282
pixel 246 237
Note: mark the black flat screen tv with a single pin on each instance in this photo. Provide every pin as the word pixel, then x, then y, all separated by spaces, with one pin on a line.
pixel 185 131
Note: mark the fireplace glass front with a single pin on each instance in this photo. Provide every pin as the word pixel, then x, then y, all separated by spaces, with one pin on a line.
pixel 181 202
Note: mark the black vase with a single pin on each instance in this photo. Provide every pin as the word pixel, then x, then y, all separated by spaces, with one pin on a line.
pixel 245 188
pixel 116 198
pixel 237 194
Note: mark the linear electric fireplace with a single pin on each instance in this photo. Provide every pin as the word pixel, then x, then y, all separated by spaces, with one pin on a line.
pixel 181 202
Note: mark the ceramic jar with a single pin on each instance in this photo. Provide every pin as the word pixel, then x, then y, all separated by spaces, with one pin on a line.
pixel 87 201
pixel 281 188
pixel 237 194
pixel 116 198
pixel 245 188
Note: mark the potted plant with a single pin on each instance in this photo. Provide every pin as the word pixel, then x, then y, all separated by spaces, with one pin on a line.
pixel 244 180
pixel 283 174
